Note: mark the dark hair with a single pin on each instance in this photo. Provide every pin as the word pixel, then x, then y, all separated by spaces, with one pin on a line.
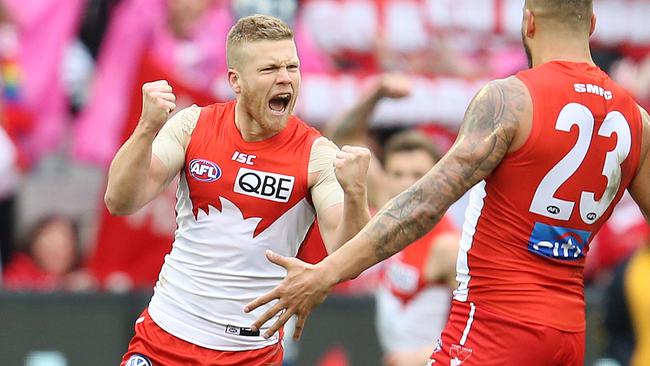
pixel 410 140
pixel 574 14
pixel 255 28
pixel 40 225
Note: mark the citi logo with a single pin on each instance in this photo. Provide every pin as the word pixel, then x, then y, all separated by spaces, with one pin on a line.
pixel 204 170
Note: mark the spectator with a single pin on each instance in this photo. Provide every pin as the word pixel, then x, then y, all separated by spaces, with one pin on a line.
pixel 414 292
pixel 183 37
pixel 51 260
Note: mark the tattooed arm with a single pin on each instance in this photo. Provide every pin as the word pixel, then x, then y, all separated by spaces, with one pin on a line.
pixel 492 126
pixel 488 131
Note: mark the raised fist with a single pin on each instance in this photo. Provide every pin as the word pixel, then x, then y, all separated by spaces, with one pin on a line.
pixel 158 101
pixel 394 86
pixel 351 167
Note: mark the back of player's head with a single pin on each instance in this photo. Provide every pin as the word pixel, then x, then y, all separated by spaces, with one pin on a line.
pixel 563 15
pixel 255 28
pixel 408 141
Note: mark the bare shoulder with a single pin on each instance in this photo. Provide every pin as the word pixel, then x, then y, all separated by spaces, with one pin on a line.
pixel 500 104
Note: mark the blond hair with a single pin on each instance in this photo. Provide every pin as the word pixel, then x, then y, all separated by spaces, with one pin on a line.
pixel 255 28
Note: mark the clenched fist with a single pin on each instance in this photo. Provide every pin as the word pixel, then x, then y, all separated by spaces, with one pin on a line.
pixel 394 86
pixel 158 101
pixel 351 166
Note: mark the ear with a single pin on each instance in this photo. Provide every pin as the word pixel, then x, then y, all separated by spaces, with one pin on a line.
pixel 233 80
pixel 593 24
pixel 529 26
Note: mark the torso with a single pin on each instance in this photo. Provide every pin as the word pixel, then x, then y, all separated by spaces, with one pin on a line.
pixel 529 223
pixel 235 200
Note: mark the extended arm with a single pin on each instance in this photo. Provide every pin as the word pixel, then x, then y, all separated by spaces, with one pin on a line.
pixel 351 127
pixel 489 127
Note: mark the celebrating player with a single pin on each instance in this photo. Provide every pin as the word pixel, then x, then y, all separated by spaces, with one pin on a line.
pixel 252 178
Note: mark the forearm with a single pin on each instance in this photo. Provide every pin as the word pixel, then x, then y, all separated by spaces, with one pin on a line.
pixel 403 220
pixel 355 216
pixel 352 126
pixel 488 129
pixel 128 173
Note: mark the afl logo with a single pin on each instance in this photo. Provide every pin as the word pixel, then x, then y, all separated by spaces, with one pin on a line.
pixel 138 360
pixel 204 170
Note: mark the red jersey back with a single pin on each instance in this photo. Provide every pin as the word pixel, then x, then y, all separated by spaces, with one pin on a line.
pixel 529 223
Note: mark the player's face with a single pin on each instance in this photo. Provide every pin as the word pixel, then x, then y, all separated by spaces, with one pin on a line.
pixel 404 168
pixel 269 79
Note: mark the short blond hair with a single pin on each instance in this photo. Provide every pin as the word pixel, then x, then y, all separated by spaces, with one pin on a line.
pixel 255 28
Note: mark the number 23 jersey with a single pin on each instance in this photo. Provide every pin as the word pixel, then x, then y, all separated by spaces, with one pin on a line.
pixel 529 223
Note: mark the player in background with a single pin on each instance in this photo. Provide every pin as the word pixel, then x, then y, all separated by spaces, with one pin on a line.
pixel 549 153
pixel 413 295
pixel 253 177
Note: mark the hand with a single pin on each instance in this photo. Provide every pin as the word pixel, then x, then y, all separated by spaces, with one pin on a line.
pixel 394 86
pixel 351 168
pixel 304 288
pixel 158 102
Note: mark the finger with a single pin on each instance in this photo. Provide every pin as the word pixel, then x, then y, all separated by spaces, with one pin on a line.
pixel 168 96
pixel 162 95
pixel 278 259
pixel 300 325
pixel 339 163
pixel 267 315
pixel 169 106
pixel 278 324
pixel 262 300
pixel 341 154
pixel 355 149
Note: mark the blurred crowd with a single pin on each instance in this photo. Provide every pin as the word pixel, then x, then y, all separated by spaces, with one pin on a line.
pixel 71 72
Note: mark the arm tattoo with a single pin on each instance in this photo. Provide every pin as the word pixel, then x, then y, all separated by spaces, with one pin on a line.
pixel 488 128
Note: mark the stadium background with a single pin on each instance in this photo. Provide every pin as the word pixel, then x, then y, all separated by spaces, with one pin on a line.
pixel 71 72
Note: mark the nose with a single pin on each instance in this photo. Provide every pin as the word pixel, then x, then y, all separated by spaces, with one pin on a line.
pixel 283 76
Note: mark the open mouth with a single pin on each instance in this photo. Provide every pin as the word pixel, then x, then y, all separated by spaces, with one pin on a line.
pixel 279 103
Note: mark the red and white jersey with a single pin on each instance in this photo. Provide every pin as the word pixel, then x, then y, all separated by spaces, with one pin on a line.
pixel 235 200
pixel 529 223
pixel 411 312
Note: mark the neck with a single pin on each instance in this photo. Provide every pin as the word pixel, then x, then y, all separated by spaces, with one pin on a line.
pixel 574 49
pixel 250 129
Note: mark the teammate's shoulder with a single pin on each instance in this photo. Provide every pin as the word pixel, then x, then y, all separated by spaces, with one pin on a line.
pixel 509 91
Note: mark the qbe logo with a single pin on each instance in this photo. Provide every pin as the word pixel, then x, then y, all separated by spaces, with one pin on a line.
pixel 268 186
pixel 558 242
pixel 204 170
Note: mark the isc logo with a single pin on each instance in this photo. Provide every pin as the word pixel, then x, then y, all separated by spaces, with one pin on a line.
pixel 268 186
pixel 204 170
pixel 558 242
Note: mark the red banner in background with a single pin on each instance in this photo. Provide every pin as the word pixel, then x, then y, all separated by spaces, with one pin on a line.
pixel 129 250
